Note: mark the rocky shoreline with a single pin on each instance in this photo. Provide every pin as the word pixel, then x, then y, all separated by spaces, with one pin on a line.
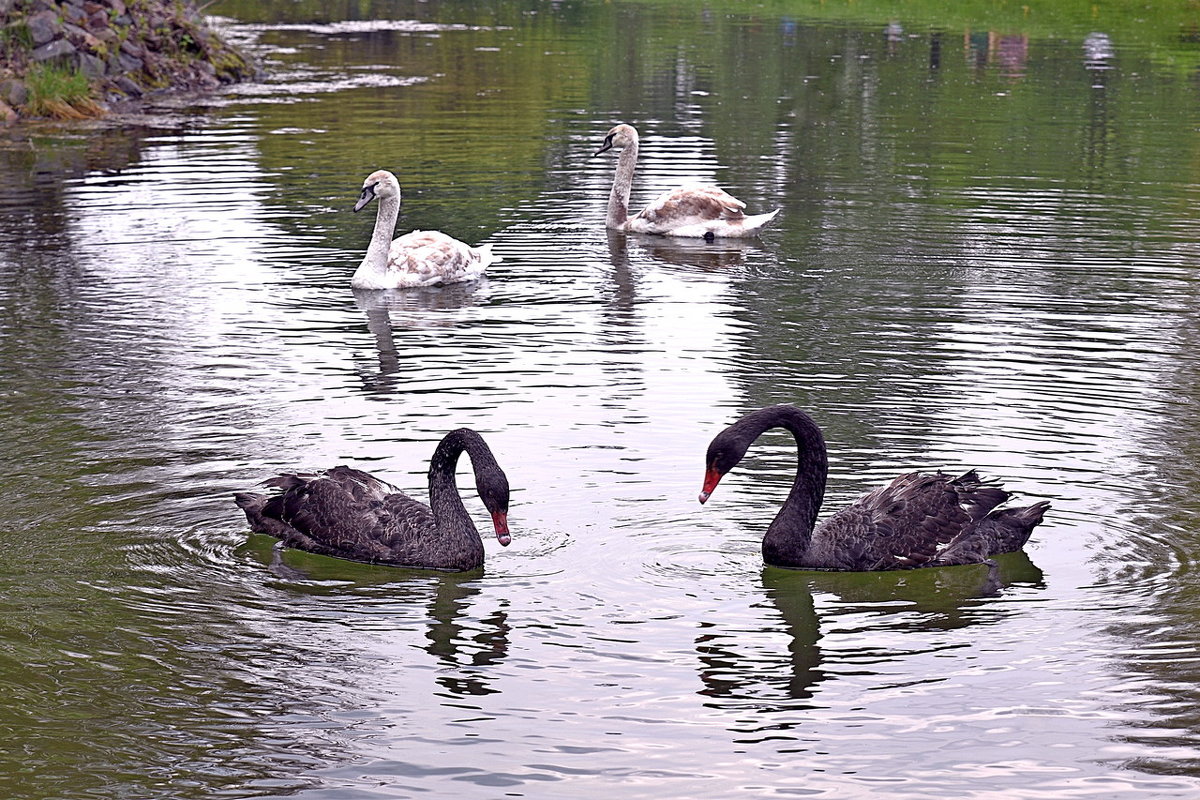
pixel 117 51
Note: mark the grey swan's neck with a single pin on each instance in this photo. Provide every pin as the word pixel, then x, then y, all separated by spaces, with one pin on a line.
pixel 375 263
pixel 450 516
pixel 789 537
pixel 618 198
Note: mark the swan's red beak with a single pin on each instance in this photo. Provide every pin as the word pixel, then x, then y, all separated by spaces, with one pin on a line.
pixel 500 520
pixel 711 479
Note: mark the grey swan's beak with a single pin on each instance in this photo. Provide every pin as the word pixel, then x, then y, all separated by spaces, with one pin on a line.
pixel 368 194
pixel 608 143
pixel 500 520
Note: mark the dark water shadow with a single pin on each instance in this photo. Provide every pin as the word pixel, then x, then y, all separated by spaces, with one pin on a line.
pixel 713 256
pixel 466 644
pixel 742 667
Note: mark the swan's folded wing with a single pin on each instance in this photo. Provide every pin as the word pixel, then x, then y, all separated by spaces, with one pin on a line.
pixel 689 205
pixel 426 258
pixel 903 524
pixel 329 519
pixel 362 486
pixel 407 522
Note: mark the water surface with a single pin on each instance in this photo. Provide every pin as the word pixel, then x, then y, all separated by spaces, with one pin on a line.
pixel 986 258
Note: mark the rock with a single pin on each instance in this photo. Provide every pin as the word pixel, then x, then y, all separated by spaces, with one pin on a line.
pixel 81 38
pixel 125 48
pixel 43 27
pixel 7 115
pixel 89 65
pixel 127 86
pixel 13 92
pixel 124 63
pixel 56 49
pixel 73 13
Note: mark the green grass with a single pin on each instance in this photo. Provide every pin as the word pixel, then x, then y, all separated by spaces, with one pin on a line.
pixel 60 92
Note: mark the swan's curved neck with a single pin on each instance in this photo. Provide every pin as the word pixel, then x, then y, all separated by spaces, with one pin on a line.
pixel 375 262
pixel 789 536
pixel 449 513
pixel 618 199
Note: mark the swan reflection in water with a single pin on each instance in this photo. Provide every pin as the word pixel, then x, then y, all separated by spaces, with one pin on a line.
pixel 742 668
pixel 467 637
pixel 428 308
pixel 694 254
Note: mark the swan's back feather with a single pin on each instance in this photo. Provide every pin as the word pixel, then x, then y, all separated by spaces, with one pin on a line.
pixel 692 202
pixel 697 210
pixel 427 258
pixel 347 513
pixel 923 519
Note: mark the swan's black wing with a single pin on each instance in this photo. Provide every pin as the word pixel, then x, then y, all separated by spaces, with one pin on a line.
pixel 1004 530
pixel 341 512
pixel 904 524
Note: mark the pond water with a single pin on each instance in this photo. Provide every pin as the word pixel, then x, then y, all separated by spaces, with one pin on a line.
pixel 986 258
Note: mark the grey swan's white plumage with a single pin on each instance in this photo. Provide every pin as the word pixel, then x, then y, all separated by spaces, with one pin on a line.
pixel 694 211
pixel 918 520
pixel 347 513
pixel 420 258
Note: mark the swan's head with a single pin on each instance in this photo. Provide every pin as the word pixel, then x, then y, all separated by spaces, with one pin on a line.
pixel 381 184
pixel 493 491
pixel 618 137
pixel 490 481
pixel 724 453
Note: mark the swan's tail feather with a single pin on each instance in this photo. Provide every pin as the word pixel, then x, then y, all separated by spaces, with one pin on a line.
pixel 255 506
pixel 760 221
pixel 1010 528
pixel 486 256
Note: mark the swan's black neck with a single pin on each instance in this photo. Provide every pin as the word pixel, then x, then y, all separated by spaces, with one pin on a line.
pixel 787 540
pixel 444 500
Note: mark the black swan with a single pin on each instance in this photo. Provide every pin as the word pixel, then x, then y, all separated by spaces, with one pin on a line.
pixel 347 513
pixel 917 520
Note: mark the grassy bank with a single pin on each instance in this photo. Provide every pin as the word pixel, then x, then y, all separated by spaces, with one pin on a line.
pixel 75 58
